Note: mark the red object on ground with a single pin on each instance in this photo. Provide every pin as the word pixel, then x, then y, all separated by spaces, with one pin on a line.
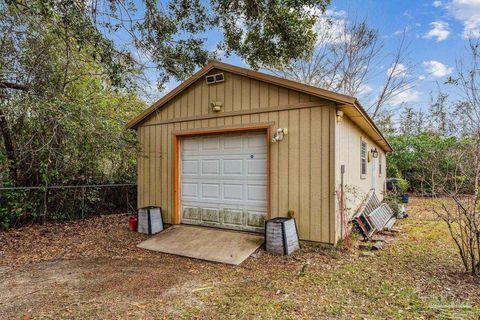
pixel 132 223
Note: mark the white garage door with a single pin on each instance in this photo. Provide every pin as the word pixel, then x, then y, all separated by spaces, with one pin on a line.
pixel 223 181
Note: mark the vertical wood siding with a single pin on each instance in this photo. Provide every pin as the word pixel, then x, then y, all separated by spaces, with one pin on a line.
pixel 301 166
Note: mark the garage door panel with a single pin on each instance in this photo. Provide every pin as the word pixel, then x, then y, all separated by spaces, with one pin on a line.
pixel 224 181
pixel 189 167
pixel 253 143
pixel 256 193
pixel 256 219
pixel 210 166
pixel 233 167
pixel 211 191
pixel 233 217
pixel 233 191
pixel 190 190
pixel 233 143
pixel 191 213
pixel 190 145
pixel 210 143
pixel 211 215
pixel 256 167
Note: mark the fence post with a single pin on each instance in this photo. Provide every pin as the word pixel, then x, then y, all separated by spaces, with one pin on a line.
pixel 126 194
pixel 83 202
pixel 45 207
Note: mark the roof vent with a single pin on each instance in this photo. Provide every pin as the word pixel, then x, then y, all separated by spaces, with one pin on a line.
pixel 210 79
pixel 213 78
pixel 219 77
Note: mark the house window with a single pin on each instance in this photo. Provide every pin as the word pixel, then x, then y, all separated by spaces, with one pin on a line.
pixel 380 164
pixel 363 159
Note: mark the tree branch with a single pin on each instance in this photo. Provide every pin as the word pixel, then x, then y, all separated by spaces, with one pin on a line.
pixel 14 86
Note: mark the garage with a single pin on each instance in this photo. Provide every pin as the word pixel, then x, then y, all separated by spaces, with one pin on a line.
pixel 231 147
pixel 223 180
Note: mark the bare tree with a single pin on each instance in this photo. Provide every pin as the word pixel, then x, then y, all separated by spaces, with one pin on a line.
pixel 411 122
pixel 347 60
pixel 467 82
pixel 461 210
pixel 396 82
pixel 440 120
pixel 468 109
pixel 340 59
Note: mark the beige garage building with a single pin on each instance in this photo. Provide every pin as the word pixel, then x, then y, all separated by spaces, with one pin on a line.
pixel 231 147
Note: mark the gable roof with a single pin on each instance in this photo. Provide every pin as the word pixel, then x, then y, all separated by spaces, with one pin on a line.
pixel 349 105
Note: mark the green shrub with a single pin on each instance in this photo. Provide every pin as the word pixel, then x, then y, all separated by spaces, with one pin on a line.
pixel 12 207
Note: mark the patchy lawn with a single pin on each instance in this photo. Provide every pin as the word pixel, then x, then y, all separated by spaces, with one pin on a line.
pixel 91 269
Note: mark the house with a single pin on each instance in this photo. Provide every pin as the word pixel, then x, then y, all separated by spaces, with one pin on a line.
pixel 231 147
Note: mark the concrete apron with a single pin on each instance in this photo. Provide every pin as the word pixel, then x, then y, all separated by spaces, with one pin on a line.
pixel 225 246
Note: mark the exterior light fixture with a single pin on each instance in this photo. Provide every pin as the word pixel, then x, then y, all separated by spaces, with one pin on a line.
pixel 374 153
pixel 216 106
pixel 339 116
pixel 279 134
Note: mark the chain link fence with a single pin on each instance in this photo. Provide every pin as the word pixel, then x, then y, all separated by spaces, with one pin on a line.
pixel 49 203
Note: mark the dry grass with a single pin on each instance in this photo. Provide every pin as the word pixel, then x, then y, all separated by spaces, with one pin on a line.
pixel 92 269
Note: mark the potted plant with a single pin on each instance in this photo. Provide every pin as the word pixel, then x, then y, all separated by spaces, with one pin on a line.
pixel 403 186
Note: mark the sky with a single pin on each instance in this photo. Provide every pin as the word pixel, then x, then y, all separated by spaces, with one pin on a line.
pixel 436 35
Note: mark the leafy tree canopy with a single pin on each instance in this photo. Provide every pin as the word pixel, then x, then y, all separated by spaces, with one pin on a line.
pixel 172 33
pixel 69 70
pixel 64 125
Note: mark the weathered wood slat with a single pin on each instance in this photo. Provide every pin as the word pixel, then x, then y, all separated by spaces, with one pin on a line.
pixel 374 216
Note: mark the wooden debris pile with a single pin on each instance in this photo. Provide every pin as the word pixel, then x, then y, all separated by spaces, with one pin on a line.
pixel 374 216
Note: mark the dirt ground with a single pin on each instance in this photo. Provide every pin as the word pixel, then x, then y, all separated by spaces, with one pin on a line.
pixel 92 269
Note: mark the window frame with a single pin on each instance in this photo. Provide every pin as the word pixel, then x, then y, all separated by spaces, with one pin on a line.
pixel 363 158
pixel 380 169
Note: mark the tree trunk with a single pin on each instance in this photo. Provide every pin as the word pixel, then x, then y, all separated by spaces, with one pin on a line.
pixel 5 130
pixel 8 143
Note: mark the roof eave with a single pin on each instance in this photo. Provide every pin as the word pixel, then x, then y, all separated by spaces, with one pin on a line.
pixel 321 93
pixel 372 123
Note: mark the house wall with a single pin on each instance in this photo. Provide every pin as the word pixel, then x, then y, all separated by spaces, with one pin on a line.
pixel 301 166
pixel 348 137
